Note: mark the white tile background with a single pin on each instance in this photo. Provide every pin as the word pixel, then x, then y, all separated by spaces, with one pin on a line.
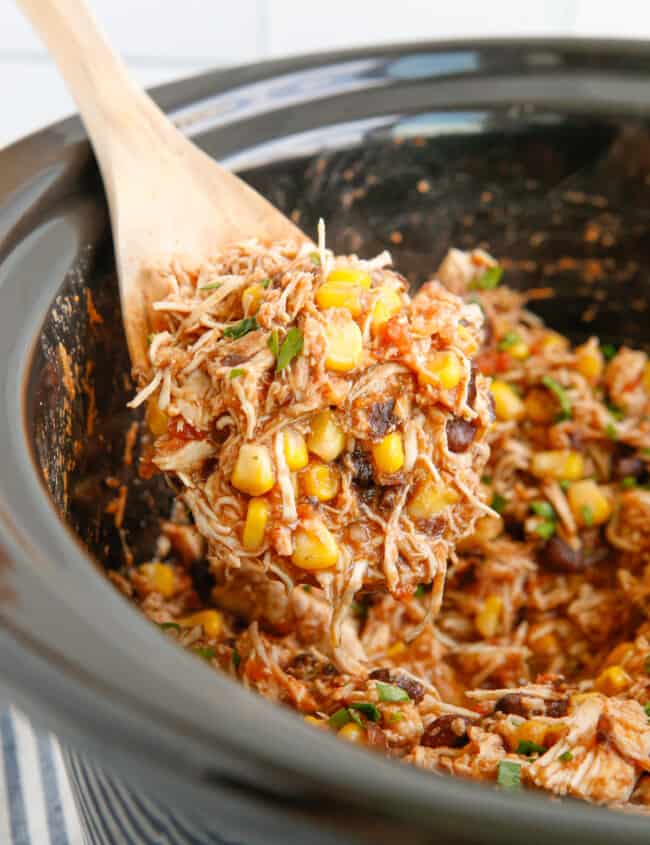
pixel 167 39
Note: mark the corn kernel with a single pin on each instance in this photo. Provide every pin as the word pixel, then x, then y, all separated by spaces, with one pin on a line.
pixel 519 350
pixel 443 369
pixel 160 578
pixel 430 499
pixel 353 733
pixel 558 464
pixel 387 304
pixel 326 438
pixel 257 517
pixel 540 406
pixel 507 405
pixel 396 649
pixel 156 419
pixel 340 296
pixel 314 550
pixel 389 453
pixel 315 721
pixel 590 362
pixel 553 341
pixel 210 620
pixel 532 730
pixel 646 377
pixel 321 481
pixel 344 345
pixel 295 449
pixel 589 505
pixel 349 276
pixel 253 472
pixel 251 298
pixel 613 681
pixel 488 617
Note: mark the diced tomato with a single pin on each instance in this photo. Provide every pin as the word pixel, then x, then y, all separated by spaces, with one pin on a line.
pixel 492 362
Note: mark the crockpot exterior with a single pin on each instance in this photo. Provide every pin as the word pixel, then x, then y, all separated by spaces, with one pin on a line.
pixel 160 748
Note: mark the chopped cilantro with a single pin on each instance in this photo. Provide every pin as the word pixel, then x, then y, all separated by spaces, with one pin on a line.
pixel 527 748
pixel 628 482
pixel 391 692
pixel 545 529
pixel 206 653
pixel 543 509
pixel 149 339
pixel 509 340
pixel 265 283
pixel 608 350
pixel 498 503
pixel 490 279
pixel 509 774
pixel 611 431
pixel 315 257
pixel 340 718
pixel 566 757
pixel 367 708
pixel 486 479
pixel 237 372
pixel 274 343
pixel 307 588
pixel 291 347
pixel 419 591
pixel 236 658
pixel 566 409
pixel 166 626
pixel 646 707
pixel 565 484
pixel 615 412
pixel 213 286
pixel 248 324
pixel 587 515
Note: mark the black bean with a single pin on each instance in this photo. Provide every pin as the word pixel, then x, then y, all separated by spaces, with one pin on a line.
pixel 628 466
pixel 362 468
pixel 471 385
pixel 382 674
pixel 381 419
pixel 411 687
pixel 559 556
pixel 460 434
pixel 513 703
pixel 232 360
pixel 202 579
pixel 557 709
pixel 448 731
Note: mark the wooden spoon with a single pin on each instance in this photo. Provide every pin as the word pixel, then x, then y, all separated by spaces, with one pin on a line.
pixel 166 197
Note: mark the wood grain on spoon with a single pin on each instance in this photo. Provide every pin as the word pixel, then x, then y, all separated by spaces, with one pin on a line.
pixel 166 196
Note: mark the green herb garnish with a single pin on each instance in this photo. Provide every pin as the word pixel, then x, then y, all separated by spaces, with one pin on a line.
pixel 566 757
pixel 545 529
pixel 391 692
pixel 248 324
pixel 419 591
pixel 212 286
pixel 565 484
pixel 615 412
pixel 543 509
pixel 291 347
pixel 509 340
pixel 587 515
pixel 611 431
pixel 307 588
pixel 237 372
pixel 527 748
pixel 509 774
pixel 628 482
pixel 646 707
pixel 166 626
pixel 486 479
pixel 340 718
pixel 264 283
pixel 566 409
pixel 236 658
pixel 274 343
pixel 149 339
pixel 207 652
pixel 498 503
pixel 315 257
pixel 367 708
pixel 608 350
pixel 490 279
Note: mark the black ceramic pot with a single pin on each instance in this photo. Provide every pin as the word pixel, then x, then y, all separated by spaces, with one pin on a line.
pixel 539 151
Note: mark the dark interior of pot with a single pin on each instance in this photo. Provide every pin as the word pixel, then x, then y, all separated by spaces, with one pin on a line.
pixel 563 201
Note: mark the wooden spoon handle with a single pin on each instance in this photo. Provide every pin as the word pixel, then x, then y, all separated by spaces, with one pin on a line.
pixel 112 106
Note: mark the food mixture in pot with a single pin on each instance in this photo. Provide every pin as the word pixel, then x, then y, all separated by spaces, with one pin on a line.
pixel 342 452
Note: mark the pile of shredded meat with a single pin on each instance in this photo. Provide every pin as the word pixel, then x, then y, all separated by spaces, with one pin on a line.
pixel 535 672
